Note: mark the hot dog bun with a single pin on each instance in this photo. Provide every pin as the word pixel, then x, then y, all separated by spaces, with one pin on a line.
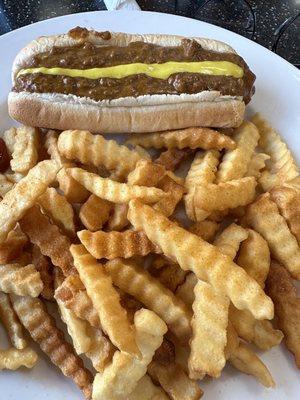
pixel 146 113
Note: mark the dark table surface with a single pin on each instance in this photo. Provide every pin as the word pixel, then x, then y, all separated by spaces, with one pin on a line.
pixel 274 24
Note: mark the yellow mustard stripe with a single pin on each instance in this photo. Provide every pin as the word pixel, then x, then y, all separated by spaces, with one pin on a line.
pixel 160 71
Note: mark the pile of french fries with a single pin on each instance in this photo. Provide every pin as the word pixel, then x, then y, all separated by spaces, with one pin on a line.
pixel 160 279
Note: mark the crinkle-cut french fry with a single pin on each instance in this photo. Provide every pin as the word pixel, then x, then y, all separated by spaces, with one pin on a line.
pixel 235 162
pixel 280 287
pixel 174 381
pixel 287 200
pixel 209 325
pixel 14 358
pixel 45 268
pixel 24 281
pixel 202 171
pixel 254 257
pixel 118 219
pixel 261 333
pixel 11 323
pixel 24 194
pixel 125 368
pixel 117 244
pixel 146 390
pixel 9 138
pixel 101 350
pixel 165 354
pixel 194 138
pixel 205 260
pixel 146 173
pixel 294 183
pixel 264 217
pixel 51 242
pixel 73 190
pixel 256 164
pixel 12 247
pixel 228 242
pixel 96 150
pixel 5 185
pixel 205 229
pixel 94 213
pixel 58 209
pixel 105 299
pixel 25 154
pixel 172 158
pixel 73 294
pixel 232 340
pixel 174 193
pixel 52 148
pixel 167 272
pixel 232 194
pixel 15 177
pixel 282 166
pixel 245 360
pixel 185 292
pixel 43 330
pixel 136 281
pixel 115 192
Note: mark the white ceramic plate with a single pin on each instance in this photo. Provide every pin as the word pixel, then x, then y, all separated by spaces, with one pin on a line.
pixel 277 97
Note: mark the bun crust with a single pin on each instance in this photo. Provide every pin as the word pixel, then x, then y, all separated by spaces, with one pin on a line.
pixel 124 115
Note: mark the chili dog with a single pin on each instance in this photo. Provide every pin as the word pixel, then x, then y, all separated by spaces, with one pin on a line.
pixel 118 82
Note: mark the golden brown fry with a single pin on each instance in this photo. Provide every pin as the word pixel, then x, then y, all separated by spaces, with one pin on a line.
pixel 126 368
pixel 256 164
pixel 94 213
pixel 209 325
pixel 172 158
pixel 58 209
pixel 43 330
pixel 167 272
pixel 94 149
pixel 12 247
pixel 101 350
pixel 203 138
pixel 287 200
pixel 174 381
pixel 228 242
pixel 202 171
pixel 45 268
pixel 146 390
pixel 185 292
pixel 254 257
pixel 118 219
pixel 105 299
pixel 11 322
pixel 136 281
pixel 245 360
pixel 146 173
pixel 206 261
pixel 24 194
pixel 264 217
pixel 24 281
pixel 9 138
pixel 113 191
pixel 73 294
pixel 51 242
pixel 232 340
pixel 232 194
pixel 52 148
pixel 73 190
pixel 282 166
pixel 14 358
pixel 25 154
pixel 280 288
pixel 174 193
pixel 235 162
pixel 205 229
pixel 117 244
pixel 266 336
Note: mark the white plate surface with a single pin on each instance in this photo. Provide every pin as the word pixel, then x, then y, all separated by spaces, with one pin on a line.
pixel 277 97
